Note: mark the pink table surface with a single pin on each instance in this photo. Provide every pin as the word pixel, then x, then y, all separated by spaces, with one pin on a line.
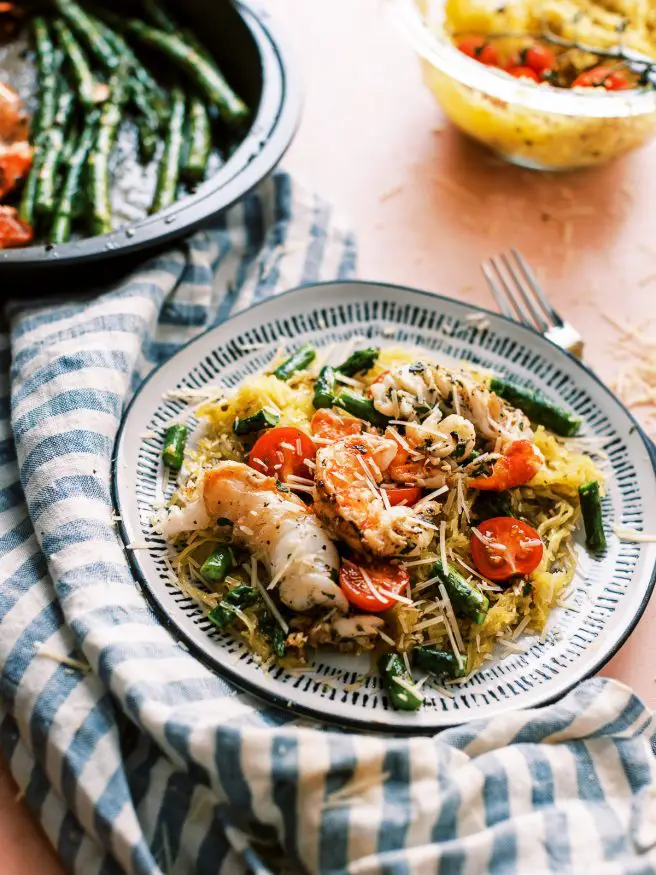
pixel 427 206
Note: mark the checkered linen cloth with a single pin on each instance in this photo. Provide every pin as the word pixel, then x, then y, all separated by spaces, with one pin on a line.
pixel 148 762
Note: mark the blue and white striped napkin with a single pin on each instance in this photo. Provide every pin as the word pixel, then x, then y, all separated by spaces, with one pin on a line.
pixel 134 756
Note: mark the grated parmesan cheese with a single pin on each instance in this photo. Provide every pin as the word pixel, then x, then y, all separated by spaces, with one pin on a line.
pixel 634 535
pixel 42 650
pixel 445 564
pixel 386 638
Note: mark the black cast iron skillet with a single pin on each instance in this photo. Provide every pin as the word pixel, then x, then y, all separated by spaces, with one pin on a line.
pixel 254 64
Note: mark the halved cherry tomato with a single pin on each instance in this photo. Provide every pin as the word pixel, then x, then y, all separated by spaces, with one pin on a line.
pixel 510 547
pixel 521 72
pixel 276 453
pixel 383 576
pixel 602 77
pixel 519 464
pixel 327 424
pixel 539 58
pixel 478 48
pixel 408 494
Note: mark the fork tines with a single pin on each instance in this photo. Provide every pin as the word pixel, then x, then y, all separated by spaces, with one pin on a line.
pixel 517 292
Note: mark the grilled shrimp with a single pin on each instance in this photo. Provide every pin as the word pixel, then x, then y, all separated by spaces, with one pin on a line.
pixel 405 391
pixel 15 150
pixel 279 529
pixel 351 507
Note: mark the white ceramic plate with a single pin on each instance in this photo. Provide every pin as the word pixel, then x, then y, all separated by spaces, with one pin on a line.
pixel 610 594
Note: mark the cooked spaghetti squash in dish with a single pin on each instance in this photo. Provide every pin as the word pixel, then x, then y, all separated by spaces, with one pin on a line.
pixel 584 47
pixel 380 500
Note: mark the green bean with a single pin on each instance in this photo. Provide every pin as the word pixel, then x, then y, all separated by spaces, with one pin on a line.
pixel 359 362
pixel 53 144
pixel 537 407
pixel 271 629
pixel 27 206
pixel 392 669
pixel 93 37
pixel 441 663
pixel 169 167
pixel 52 152
pixel 198 142
pixel 158 16
pixel 590 498
pixel 363 408
pixel 324 388
pixel 239 597
pixel 217 565
pixel 206 76
pixel 264 418
pixel 89 91
pixel 175 439
pixel 466 600
pixel 67 208
pixel 297 361
pixel 145 94
pixel 47 65
pixel 139 73
pixel 98 174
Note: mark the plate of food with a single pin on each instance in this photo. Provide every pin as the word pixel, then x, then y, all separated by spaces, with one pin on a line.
pixel 381 507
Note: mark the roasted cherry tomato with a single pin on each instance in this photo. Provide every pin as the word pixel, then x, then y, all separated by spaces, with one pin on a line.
pixel 327 424
pixel 602 77
pixel 13 232
pixel 384 578
pixel 539 58
pixel 281 452
pixel 521 72
pixel 508 547
pixel 519 464
pixel 408 494
pixel 478 48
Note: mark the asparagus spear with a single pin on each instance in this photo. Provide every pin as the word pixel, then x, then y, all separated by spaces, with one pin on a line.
pixel 593 521
pixel 89 91
pixel 206 76
pixel 198 141
pixel 93 37
pixel 66 208
pixel 297 361
pixel 537 407
pixel 169 168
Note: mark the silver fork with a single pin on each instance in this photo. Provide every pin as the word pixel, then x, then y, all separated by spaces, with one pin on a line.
pixel 519 296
